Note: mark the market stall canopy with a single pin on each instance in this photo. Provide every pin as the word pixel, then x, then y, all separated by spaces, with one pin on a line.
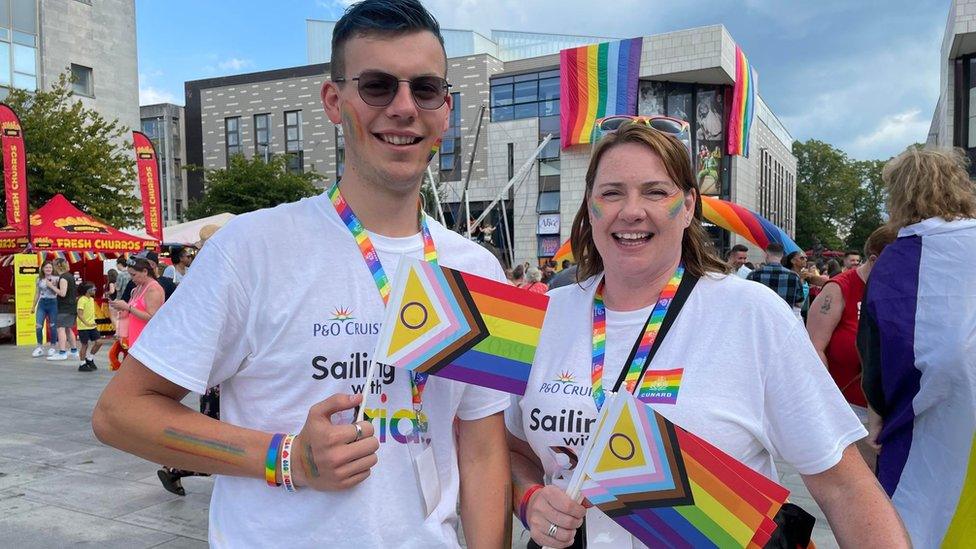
pixel 60 226
pixel 189 233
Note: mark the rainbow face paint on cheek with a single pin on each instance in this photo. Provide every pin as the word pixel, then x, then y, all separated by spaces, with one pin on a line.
pixel 351 124
pixel 676 205
pixel 595 210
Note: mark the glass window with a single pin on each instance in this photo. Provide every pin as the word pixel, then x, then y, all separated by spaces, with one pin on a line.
pixel 293 141
pixel 501 95
pixel 549 124
pixel 262 136
pixel 24 59
pixel 5 13
pixel 450 150
pixel 25 81
pixel 526 77
pixel 447 162
pixel 24 14
pixel 500 114
pixel 4 64
pixel 232 136
pixel 25 39
pixel 82 81
pixel 526 91
pixel 549 74
pixel 527 110
pixel 549 108
pixel 548 202
pixel 549 88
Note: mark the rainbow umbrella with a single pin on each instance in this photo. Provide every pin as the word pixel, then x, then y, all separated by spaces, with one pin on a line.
pixel 746 223
pixel 564 252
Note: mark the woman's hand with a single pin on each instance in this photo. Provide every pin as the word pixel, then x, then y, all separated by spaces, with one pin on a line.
pixel 875 423
pixel 550 507
pixel 119 304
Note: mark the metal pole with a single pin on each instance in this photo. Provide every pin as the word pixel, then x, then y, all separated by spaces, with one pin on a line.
pixel 505 235
pixel 437 195
pixel 519 175
pixel 467 177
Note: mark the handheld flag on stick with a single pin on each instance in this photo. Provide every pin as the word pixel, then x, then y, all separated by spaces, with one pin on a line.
pixel 460 326
pixel 670 488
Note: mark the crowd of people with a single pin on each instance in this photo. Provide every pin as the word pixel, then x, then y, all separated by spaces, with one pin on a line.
pixel 798 358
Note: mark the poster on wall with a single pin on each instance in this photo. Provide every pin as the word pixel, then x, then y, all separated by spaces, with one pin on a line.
pixel 25 284
pixel 709 138
pixel 650 101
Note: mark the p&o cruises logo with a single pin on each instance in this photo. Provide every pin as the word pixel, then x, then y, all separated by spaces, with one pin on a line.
pixel 343 322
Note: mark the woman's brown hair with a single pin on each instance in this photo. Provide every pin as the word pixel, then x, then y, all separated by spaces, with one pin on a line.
pixel 697 252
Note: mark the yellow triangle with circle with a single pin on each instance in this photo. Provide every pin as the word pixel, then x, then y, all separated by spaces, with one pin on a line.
pixel 624 449
pixel 416 316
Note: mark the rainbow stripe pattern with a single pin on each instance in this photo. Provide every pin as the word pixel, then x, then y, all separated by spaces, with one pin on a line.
pixel 648 336
pixel 564 252
pixel 456 325
pixel 730 505
pixel 595 81
pixel 745 223
pixel 743 104
pixel 660 386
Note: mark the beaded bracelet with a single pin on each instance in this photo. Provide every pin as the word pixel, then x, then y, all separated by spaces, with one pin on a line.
pixel 286 463
pixel 271 461
pixel 524 503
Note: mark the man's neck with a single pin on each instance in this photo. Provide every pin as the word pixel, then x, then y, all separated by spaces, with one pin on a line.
pixel 380 210
pixel 863 271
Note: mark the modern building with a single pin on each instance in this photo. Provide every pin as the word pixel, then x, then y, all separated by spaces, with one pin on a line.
pixel 92 41
pixel 954 120
pixel 506 91
pixel 163 124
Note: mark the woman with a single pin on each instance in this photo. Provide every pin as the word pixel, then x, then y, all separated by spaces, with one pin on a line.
pixel 797 262
pixel 533 281
pixel 750 380
pixel 918 358
pixel 146 299
pixel 66 290
pixel 518 276
pixel 45 307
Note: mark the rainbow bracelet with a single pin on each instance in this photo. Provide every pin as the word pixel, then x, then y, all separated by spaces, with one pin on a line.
pixel 524 503
pixel 271 461
pixel 286 463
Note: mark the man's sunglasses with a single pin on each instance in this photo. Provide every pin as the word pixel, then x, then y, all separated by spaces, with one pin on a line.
pixel 664 124
pixel 377 89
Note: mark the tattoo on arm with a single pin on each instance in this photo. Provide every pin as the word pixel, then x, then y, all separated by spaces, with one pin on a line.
pixel 184 441
pixel 309 458
pixel 825 306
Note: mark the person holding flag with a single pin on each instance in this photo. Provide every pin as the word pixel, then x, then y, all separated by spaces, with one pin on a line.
pixel 735 368
pixel 291 357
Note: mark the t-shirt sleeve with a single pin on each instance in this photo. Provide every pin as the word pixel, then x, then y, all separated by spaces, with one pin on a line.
pixel 199 337
pixel 513 418
pixel 480 402
pixel 807 419
pixel 170 271
pixel 869 350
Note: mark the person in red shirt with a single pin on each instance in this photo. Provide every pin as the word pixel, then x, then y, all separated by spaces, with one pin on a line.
pixel 832 324
pixel 533 281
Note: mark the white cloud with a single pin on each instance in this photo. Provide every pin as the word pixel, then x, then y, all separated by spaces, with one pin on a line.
pixel 893 133
pixel 234 64
pixel 149 95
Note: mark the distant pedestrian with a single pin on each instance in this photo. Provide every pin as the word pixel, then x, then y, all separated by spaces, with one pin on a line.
pixel 66 291
pixel 778 278
pixel 533 281
pixel 87 328
pixel 147 297
pixel 518 276
pixel 45 308
pixel 181 258
pixel 852 259
pixel 737 258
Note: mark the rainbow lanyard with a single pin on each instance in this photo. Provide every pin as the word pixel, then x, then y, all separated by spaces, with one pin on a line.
pixel 646 341
pixel 417 380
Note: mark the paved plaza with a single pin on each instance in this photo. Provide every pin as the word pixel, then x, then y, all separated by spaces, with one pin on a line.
pixel 60 487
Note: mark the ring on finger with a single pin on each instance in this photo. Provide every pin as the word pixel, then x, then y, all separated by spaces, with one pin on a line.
pixel 552 530
pixel 359 432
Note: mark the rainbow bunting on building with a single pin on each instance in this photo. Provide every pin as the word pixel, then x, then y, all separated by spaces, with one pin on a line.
pixel 743 104
pixel 746 223
pixel 461 326
pixel 669 488
pixel 596 81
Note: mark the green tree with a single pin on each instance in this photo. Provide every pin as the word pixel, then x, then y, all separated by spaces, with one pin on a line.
pixel 828 185
pixel 251 184
pixel 869 206
pixel 75 151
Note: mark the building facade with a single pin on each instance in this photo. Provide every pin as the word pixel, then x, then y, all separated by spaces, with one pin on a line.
pixel 954 119
pixel 163 125
pixel 506 101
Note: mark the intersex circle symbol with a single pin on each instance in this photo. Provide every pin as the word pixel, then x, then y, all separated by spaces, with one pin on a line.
pixel 416 313
pixel 626 442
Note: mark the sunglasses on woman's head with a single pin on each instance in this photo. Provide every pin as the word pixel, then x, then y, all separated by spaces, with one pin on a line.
pixel 378 89
pixel 663 124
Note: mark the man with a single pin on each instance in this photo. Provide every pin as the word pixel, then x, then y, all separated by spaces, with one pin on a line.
pixel 852 258
pixel 778 278
pixel 277 350
pixel 737 258
pixel 181 262
pixel 832 324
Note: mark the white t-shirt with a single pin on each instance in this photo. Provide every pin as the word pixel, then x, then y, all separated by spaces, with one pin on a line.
pixel 743 272
pixel 281 311
pixel 752 383
pixel 171 272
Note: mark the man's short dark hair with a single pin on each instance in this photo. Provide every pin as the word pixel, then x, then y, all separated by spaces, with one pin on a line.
pixel 386 17
pixel 849 253
pixel 774 248
pixel 739 248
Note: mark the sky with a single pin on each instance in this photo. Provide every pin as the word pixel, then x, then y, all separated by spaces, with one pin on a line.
pixel 860 75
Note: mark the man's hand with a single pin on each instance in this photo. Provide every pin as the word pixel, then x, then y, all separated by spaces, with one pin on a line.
pixel 333 457
pixel 551 506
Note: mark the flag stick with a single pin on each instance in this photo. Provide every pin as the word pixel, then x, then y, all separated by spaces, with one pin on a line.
pixel 370 373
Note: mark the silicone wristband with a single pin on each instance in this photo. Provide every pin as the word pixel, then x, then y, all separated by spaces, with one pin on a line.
pixel 524 503
pixel 271 460
pixel 286 463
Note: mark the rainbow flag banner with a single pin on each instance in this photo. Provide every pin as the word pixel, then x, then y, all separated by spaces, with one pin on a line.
pixel 460 326
pixel 660 386
pixel 669 488
pixel 596 81
pixel 563 253
pixel 743 104
pixel 745 223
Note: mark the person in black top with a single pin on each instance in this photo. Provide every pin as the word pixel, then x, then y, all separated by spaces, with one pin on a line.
pixel 66 291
